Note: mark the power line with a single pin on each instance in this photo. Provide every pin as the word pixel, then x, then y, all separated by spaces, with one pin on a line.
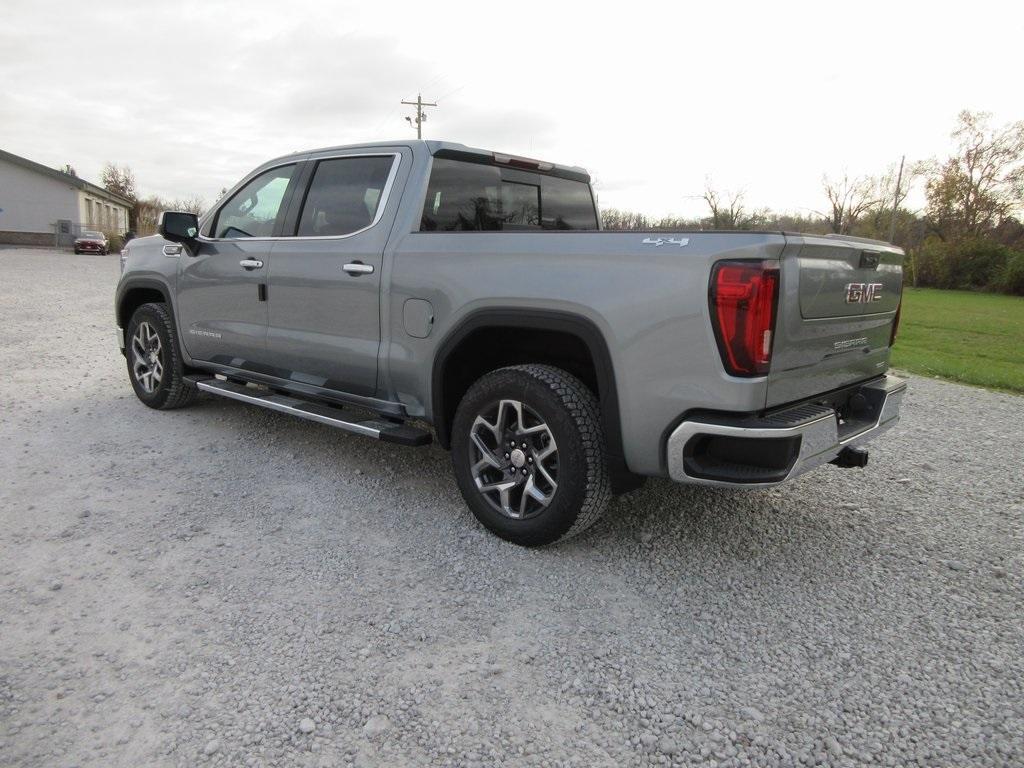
pixel 420 115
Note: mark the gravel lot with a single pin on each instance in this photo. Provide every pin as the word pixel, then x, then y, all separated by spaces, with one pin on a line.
pixel 227 586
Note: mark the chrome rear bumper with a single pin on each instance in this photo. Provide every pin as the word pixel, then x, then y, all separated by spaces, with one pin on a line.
pixel 731 451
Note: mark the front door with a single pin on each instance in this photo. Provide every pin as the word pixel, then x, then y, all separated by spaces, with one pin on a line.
pixel 222 307
pixel 325 277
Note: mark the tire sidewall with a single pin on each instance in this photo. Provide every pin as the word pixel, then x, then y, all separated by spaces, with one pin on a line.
pixel 559 517
pixel 159 396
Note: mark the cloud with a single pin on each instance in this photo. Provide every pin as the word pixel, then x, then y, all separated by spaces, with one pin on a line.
pixel 652 100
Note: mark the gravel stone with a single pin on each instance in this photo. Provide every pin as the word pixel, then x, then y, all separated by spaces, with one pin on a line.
pixel 814 623
pixel 376 725
pixel 668 746
pixel 306 725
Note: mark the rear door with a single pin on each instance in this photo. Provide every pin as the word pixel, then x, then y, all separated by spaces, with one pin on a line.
pixel 837 305
pixel 221 289
pixel 325 277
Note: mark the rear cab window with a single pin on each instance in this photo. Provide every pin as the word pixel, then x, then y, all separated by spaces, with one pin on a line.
pixel 464 196
pixel 344 195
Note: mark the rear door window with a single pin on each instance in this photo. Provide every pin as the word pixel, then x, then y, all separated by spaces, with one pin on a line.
pixel 473 197
pixel 344 195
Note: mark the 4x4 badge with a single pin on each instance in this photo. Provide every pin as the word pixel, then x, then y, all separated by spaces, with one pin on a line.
pixel 660 241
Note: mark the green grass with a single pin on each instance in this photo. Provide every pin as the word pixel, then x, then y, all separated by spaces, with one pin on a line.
pixel 976 338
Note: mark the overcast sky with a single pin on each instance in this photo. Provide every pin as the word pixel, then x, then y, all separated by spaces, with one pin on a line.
pixel 652 98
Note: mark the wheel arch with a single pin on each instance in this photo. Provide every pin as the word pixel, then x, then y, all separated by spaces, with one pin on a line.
pixel 447 390
pixel 136 292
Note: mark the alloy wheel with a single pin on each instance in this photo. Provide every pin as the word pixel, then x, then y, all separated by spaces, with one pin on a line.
pixel 514 459
pixel 147 357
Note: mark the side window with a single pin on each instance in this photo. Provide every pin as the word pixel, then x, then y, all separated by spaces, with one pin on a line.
pixel 568 204
pixel 344 195
pixel 252 210
pixel 465 196
pixel 462 197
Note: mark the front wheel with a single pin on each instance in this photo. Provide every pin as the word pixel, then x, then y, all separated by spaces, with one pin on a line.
pixel 529 454
pixel 155 366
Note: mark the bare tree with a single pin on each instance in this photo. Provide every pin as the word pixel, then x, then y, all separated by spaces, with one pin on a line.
pixel 890 218
pixel 727 210
pixel 193 204
pixel 849 200
pixel 147 211
pixel 615 219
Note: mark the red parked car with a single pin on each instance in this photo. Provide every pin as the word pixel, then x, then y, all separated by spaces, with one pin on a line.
pixel 92 242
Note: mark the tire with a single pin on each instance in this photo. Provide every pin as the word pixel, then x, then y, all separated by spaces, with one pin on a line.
pixel 77 252
pixel 561 484
pixel 155 366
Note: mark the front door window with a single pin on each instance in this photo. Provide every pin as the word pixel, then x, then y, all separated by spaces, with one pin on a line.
pixel 253 210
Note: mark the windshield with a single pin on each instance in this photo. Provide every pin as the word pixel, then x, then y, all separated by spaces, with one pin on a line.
pixel 92 234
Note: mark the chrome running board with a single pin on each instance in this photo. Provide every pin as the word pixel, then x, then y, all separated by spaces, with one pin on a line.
pixel 314 411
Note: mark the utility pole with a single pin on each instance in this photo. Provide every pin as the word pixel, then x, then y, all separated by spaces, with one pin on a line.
pixel 896 201
pixel 420 116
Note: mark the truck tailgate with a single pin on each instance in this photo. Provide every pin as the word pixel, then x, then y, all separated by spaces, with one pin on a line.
pixel 837 304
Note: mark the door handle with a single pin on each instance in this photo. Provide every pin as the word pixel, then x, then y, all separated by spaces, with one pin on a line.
pixel 251 263
pixel 358 268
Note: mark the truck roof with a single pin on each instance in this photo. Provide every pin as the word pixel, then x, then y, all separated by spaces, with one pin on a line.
pixel 448 148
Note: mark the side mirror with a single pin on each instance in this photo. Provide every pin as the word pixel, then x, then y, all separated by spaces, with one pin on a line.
pixel 179 226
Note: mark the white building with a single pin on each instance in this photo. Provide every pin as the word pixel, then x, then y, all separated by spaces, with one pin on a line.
pixel 43 206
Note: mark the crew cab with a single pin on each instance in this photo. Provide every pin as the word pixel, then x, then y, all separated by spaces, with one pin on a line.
pixel 413 291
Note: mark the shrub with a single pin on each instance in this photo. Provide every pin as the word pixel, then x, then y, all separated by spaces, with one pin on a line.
pixel 1012 278
pixel 976 264
pixel 931 264
pixel 116 241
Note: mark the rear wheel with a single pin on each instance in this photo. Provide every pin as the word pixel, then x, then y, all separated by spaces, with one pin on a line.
pixel 155 366
pixel 529 455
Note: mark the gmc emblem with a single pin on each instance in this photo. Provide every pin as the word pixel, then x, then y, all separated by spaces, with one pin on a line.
pixel 863 293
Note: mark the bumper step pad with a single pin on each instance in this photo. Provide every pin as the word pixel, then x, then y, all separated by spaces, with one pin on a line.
pixel 757 450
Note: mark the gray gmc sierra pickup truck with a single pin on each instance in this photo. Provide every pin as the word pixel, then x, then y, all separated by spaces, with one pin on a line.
pixel 427 284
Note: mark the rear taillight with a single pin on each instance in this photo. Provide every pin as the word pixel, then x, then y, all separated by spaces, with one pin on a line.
pixel 896 323
pixel 744 298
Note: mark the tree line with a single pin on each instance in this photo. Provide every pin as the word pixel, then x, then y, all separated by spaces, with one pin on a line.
pixel 968 235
